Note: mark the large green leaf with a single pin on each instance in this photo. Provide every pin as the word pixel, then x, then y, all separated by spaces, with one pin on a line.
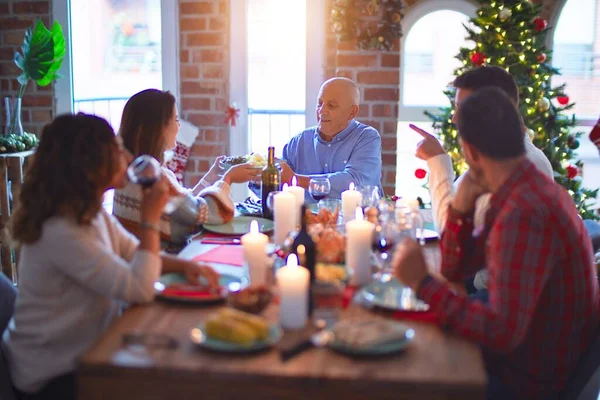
pixel 41 54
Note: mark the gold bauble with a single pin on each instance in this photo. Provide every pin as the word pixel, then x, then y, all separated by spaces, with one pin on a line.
pixel 543 104
pixel 381 39
pixel 334 13
pixel 396 18
pixel 337 27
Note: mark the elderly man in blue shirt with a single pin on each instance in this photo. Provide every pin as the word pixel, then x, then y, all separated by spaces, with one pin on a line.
pixel 338 147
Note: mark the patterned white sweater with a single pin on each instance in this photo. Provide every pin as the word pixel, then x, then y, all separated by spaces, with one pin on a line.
pixel 211 205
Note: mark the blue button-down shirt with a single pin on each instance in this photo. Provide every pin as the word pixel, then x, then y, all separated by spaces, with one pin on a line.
pixel 354 155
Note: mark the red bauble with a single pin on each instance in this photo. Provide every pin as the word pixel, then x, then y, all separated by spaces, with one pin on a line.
pixel 572 171
pixel 395 198
pixel 420 173
pixel 539 24
pixel 541 58
pixel 563 100
pixel 478 58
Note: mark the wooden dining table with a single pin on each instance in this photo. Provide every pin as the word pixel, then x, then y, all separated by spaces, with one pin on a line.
pixel 435 365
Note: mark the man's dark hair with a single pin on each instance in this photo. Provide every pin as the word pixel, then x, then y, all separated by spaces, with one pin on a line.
pixel 481 77
pixel 490 122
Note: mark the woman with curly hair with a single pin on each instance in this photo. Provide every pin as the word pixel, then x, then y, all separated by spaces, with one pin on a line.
pixel 149 126
pixel 78 264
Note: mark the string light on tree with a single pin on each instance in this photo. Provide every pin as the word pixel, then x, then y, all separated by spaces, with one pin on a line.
pixel 511 34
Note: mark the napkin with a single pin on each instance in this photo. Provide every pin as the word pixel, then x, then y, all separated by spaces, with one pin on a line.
pixel 225 254
pixel 189 291
pixel 429 317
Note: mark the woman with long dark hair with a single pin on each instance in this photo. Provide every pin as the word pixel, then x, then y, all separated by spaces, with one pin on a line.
pixel 149 126
pixel 78 264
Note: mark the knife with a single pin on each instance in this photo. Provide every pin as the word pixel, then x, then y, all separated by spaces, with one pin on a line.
pixel 319 339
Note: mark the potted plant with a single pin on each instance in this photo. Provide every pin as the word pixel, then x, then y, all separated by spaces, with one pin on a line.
pixel 41 56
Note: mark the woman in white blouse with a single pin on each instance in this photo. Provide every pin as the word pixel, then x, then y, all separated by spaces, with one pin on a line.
pixel 149 126
pixel 78 264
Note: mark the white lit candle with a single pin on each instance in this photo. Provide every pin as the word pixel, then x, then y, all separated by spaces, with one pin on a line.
pixel 359 234
pixel 293 281
pixel 254 244
pixel 351 199
pixel 284 214
pixel 298 193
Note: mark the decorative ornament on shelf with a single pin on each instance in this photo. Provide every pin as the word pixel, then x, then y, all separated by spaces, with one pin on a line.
pixel 572 171
pixel 541 58
pixel 543 104
pixel 505 14
pixel 539 24
pixel 420 173
pixel 232 114
pixel 375 24
pixel 563 100
pixel 478 58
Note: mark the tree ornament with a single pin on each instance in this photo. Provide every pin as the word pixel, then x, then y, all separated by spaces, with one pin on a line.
pixel 539 24
pixel 563 100
pixel 572 171
pixel 543 104
pixel 541 58
pixel 396 17
pixel 572 142
pixel 420 173
pixel 478 58
pixel 231 115
pixel 504 14
pixel 337 27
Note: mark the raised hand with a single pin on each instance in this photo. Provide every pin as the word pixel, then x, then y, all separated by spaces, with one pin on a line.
pixel 409 264
pixel 429 146
pixel 242 173
pixel 470 188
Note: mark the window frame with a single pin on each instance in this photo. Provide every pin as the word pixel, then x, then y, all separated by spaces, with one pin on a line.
pixel 412 16
pixel 61 12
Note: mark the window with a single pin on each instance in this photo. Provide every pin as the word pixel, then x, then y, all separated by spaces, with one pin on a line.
pixel 276 70
pixel 115 51
pixel 576 52
pixel 433 36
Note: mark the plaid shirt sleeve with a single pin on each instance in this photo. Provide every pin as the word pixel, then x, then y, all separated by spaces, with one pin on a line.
pixel 520 260
pixel 462 253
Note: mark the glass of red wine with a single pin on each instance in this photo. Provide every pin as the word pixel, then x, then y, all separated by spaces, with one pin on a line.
pixel 319 187
pixel 145 171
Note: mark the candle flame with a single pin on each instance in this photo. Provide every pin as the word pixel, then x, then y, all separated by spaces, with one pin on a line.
pixel 351 187
pixel 254 227
pixel 358 214
pixel 292 261
pixel 285 186
pixel 294 181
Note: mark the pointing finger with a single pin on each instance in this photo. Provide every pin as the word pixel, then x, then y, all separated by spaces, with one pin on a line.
pixel 421 132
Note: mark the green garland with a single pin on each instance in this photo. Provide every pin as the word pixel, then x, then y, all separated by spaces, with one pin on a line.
pixel 347 23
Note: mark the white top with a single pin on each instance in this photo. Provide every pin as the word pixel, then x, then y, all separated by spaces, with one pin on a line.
pixel 71 282
pixel 442 188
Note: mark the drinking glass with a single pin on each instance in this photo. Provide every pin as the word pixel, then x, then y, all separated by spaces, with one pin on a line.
pixel 145 171
pixel 370 196
pixel 385 237
pixel 271 202
pixel 319 188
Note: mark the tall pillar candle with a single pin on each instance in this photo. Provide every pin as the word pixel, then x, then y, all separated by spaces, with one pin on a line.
pixel 351 199
pixel 284 214
pixel 359 234
pixel 298 193
pixel 293 284
pixel 254 244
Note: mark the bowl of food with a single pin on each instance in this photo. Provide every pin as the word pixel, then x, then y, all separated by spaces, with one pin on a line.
pixel 257 160
pixel 252 299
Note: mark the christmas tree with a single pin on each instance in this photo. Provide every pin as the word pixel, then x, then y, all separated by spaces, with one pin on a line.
pixel 512 35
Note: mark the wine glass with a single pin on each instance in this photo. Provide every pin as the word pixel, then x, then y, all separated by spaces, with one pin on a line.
pixel 319 187
pixel 145 171
pixel 370 196
pixel 385 236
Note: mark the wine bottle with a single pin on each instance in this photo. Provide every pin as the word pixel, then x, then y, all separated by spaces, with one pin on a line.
pixel 306 250
pixel 271 181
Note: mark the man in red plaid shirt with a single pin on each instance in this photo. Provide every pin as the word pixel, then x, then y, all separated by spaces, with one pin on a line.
pixel 543 306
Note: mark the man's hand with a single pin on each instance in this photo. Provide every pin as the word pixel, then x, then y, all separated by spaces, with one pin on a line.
pixel 428 147
pixel 286 173
pixel 193 272
pixel 469 190
pixel 409 264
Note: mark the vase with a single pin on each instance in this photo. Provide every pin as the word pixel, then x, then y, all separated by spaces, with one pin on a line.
pixel 12 105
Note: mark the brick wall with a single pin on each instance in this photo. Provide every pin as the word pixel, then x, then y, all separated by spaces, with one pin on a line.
pixel 38 103
pixel 204 44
